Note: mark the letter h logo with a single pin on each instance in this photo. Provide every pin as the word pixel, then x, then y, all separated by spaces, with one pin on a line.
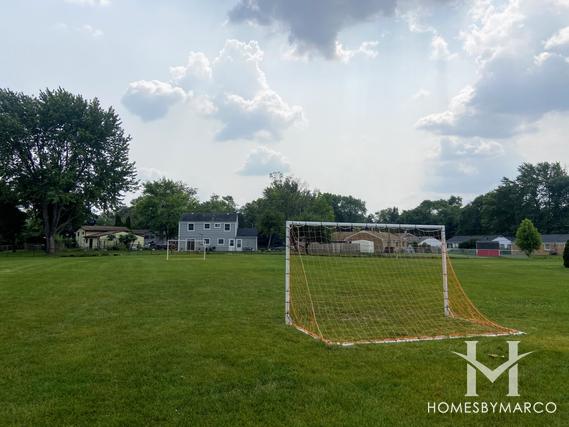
pixel 511 365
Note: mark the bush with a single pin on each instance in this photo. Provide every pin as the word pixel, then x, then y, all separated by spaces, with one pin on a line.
pixel 566 255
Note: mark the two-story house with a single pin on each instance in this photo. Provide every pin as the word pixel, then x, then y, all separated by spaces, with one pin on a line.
pixel 216 231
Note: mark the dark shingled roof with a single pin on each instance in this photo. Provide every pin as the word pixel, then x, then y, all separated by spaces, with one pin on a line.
pixel 247 232
pixel 554 238
pixel 486 238
pixel 460 239
pixel 211 217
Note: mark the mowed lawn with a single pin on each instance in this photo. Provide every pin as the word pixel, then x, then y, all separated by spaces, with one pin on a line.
pixel 137 340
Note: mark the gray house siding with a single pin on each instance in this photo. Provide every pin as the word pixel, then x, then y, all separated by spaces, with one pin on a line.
pixel 222 238
pixel 249 243
pixel 200 232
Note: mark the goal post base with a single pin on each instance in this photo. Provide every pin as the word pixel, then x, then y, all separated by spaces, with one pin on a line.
pixel 402 339
pixel 188 249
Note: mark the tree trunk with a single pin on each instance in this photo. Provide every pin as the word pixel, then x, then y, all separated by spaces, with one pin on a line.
pixel 50 217
pixel 269 242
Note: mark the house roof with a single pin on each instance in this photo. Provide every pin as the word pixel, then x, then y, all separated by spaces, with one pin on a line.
pixel 247 232
pixel 460 239
pixel 210 216
pixel 485 238
pixel 494 237
pixel 554 238
pixel 140 232
pixel 103 228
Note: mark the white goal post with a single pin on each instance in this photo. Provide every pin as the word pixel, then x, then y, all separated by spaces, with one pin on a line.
pixel 351 283
pixel 186 249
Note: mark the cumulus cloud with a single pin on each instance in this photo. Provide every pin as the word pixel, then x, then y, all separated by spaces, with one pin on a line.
pixel 232 88
pixel 151 99
pixel 262 161
pixel 559 39
pixel 196 71
pixel 517 85
pixel 263 117
pixel 312 26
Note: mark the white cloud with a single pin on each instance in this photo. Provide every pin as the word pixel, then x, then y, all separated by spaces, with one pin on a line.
pixel 231 88
pixel 421 94
pixel 367 49
pixel 90 2
pixel 196 71
pixel 261 161
pixel 263 117
pixel 517 83
pixel 151 99
pixel 91 31
pixel 493 30
pixel 439 49
pixel 86 30
pixel 559 39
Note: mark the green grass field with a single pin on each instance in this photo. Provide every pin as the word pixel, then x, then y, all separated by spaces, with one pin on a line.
pixel 136 340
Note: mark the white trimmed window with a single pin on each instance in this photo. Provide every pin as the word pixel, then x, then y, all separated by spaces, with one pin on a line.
pixel 217 225
pixel 227 227
pixel 206 241
pixel 207 226
pixel 221 241
pixel 191 226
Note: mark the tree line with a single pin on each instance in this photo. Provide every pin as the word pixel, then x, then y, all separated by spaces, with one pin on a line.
pixel 64 162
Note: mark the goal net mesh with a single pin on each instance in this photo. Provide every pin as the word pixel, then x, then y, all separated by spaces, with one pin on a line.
pixel 186 249
pixel 375 283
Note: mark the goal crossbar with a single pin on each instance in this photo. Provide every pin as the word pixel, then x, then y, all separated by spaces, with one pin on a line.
pixel 366 225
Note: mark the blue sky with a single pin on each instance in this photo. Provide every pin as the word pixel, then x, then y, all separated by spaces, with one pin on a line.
pixel 392 101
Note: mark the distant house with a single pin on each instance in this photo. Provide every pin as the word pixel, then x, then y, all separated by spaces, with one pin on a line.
pixel 554 243
pixel 373 241
pixel 105 237
pixel 216 231
pixel 505 242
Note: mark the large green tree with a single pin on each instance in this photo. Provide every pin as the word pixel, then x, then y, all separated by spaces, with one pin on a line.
pixel 62 155
pixel 218 204
pixel 387 216
pixel 286 198
pixel 161 204
pixel 346 208
pixel 444 212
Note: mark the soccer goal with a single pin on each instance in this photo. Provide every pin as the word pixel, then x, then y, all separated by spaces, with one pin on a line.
pixel 195 249
pixel 372 283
